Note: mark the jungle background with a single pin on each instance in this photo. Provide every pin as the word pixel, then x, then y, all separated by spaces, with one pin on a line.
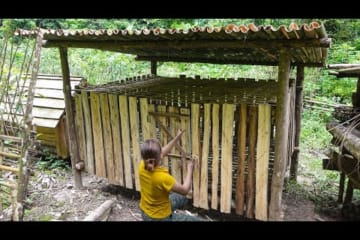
pixel 315 184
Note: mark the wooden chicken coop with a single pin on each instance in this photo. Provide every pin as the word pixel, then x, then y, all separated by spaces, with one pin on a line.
pixel 245 132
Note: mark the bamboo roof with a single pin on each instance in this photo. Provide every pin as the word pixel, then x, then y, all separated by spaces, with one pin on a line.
pixel 232 44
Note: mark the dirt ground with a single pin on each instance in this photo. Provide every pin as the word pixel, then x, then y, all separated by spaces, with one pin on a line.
pixel 54 198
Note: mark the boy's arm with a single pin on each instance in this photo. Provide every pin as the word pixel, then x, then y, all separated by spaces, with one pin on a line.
pixel 167 148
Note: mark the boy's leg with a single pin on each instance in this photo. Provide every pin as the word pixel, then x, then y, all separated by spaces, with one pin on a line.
pixel 177 201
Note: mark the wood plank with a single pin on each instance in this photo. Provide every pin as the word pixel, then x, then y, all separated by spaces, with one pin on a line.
pixel 144 110
pixel 163 135
pixel 117 143
pixel 241 147
pixel 45 130
pixel 108 143
pixel 49 103
pixel 250 201
pixel 226 157
pixel 204 166
pixel 125 135
pixel 52 84
pixel 80 128
pixel 89 160
pixel 195 143
pixel 100 167
pixel 135 139
pixel 51 137
pixel 49 93
pixel 215 160
pixel 185 139
pixel 174 127
pixel 49 123
pixel 47 113
pixel 262 162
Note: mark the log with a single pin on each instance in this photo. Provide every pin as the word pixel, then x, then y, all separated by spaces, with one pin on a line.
pixel 341 65
pixel 349 140
pixel 102 212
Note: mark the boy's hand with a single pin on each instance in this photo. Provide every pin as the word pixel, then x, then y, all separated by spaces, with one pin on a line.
pixel 180 132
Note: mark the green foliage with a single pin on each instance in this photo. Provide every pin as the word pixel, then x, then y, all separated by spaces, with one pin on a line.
pixel 313 131
pixel 49 161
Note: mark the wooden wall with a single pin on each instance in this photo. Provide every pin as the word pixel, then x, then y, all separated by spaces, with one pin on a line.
pixel 233 143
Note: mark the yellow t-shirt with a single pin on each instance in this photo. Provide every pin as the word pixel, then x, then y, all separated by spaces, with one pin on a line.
pixel 155 190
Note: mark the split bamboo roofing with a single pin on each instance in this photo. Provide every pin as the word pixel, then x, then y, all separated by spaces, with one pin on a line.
pixel 232 44
pixel 186 90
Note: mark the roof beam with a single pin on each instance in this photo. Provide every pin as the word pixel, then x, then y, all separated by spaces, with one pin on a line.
pixel 114 45
pixel 218 61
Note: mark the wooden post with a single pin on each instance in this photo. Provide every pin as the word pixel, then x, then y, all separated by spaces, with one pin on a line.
pixel 341 187
pixel 298 111
pixel 70 125
pixel 153 67
pixel 281 136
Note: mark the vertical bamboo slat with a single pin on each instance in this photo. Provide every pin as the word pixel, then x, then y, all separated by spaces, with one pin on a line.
pixel 100 168
pixel 195 143
pixel 175 162
pixel 215 160
pixel 108 143
pixel 163 135
pixel 134 133
pixel 204 157
pixel 124 115
pixel 241 147
pixel 251 162
pixel 79 121
pixel 262 162
pixel 117 143
pixel 144 110
pixel 226 157
pixel 88 133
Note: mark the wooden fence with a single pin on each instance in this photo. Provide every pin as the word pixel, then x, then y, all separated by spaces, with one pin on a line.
pixel 233 143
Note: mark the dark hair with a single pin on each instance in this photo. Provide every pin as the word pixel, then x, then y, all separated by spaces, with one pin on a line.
pixel 150 153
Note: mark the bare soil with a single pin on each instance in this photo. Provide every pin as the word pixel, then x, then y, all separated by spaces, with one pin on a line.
pixel 53 197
